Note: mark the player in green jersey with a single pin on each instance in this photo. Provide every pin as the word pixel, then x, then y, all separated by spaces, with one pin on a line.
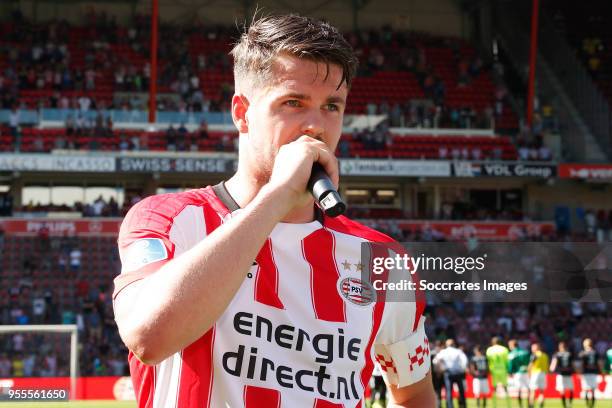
pixel 497 356
pixel 518 361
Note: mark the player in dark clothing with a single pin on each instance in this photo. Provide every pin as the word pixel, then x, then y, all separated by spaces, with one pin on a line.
pixel 479 368
pixel 590 369
pixel 437 375
pixel 562 365
pixel 379 388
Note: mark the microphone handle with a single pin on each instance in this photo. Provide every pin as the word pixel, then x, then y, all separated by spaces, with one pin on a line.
pixel 324 192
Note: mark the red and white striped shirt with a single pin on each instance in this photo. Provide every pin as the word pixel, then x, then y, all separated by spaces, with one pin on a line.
pixel 291 336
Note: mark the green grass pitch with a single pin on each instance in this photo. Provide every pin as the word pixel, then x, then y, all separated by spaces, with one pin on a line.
pixel 550 403
pixel 115 404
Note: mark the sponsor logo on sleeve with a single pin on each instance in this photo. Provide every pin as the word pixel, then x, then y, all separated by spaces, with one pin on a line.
pixel 144 252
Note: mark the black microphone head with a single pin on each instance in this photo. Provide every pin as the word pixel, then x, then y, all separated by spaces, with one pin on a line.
pixel 324 192
pixel 332 204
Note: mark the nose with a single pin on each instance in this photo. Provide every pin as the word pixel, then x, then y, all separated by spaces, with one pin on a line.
pixel 313 125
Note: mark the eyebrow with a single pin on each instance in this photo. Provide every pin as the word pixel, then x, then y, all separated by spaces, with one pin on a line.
pixel 330 99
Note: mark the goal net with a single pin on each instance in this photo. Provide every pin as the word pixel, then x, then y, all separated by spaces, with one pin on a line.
pixel 39 351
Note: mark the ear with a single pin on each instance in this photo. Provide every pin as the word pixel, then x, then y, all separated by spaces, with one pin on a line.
pixel 240 106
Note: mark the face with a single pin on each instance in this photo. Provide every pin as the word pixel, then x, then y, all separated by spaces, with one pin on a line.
pixel 301 100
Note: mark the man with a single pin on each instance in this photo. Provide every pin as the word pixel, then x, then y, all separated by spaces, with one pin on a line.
pixel 518 362
pixel 232 295
pixel 5 366
pixel 378 389
pixel 437 373
pixel 590 369
pixel 497 357
pixel 454 364
pixel 538 367
pixel 479 369
pixel 562 365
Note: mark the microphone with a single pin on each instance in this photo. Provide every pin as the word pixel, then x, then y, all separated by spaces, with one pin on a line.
pixel 324 192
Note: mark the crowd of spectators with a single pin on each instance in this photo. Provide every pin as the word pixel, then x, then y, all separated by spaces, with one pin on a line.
pixel 380 138
pixel 529 141
pixel 109 57
pixel 534 151
pixel 98 208
pixel 427 114
pixel 597 223
pixel 427 233
pixel 455 210
pixel 180 139
pixel 373 139
pixel 42 60
pixel 433 111
pixel 112 57
pixel 118 57
pixel 468 153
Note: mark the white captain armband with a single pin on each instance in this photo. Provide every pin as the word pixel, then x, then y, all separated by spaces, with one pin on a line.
pixel 406 361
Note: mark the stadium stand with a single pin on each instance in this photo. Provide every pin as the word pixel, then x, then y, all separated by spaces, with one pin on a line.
pixel 60 280
pixel 436 82
pixel 588 32
pixel 367 144
pixel 103 58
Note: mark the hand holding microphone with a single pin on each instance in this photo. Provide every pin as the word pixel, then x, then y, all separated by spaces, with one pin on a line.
pixel 294 168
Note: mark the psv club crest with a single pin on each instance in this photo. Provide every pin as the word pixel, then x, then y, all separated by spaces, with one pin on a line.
pixel 356 291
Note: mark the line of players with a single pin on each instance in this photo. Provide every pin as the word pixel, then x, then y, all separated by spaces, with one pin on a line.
pixel 527 371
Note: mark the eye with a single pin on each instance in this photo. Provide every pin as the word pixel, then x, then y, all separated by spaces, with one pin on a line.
pixel 294 103
pixel 332 107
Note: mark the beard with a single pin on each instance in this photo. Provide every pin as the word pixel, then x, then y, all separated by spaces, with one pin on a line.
pixel 260 167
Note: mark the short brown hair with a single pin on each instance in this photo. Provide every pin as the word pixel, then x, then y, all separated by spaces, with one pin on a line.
pixel 299 36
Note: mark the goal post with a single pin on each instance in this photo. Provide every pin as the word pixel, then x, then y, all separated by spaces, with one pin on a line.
pixel 53 328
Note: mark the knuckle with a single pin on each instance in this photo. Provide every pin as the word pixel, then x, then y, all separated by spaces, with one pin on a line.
pixel 305 138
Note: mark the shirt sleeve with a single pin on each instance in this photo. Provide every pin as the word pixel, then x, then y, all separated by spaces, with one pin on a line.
pixel 401 349
pixel 401 346
pixel 144 242
pixel 464 360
